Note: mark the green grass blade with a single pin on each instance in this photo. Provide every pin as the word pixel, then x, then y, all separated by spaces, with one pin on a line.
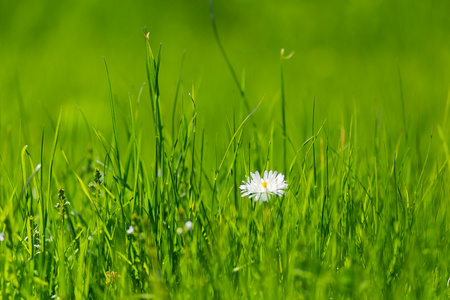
pixel 113 118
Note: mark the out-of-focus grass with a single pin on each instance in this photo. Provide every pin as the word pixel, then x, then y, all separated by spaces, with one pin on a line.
pixel 52 55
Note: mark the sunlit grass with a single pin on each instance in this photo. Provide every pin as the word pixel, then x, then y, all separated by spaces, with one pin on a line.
pixel 97 215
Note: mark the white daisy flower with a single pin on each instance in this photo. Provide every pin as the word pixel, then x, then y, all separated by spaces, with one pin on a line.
pixel 259 188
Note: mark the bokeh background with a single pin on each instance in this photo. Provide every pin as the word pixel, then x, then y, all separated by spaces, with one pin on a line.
pixel 348 57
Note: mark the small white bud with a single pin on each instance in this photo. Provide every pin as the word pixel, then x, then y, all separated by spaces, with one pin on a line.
pixel 130 229
pixel 188 225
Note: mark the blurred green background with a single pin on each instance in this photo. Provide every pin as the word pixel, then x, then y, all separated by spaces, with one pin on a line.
pixel 348 55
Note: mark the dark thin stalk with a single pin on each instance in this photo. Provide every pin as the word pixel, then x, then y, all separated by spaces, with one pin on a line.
pixel 283 112
pixel 224 54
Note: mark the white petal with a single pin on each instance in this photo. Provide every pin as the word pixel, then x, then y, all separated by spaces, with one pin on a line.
pixel 264 197
pixel 257 196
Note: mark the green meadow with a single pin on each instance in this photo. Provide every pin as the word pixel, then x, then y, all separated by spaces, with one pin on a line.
pixel 127 129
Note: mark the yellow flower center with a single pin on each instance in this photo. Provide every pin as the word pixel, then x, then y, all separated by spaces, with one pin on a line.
pixel 264 184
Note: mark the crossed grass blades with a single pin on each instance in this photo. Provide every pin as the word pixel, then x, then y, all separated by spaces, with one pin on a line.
pixel 128 222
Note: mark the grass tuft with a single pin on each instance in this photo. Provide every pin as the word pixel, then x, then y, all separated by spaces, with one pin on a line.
pixel 363 218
